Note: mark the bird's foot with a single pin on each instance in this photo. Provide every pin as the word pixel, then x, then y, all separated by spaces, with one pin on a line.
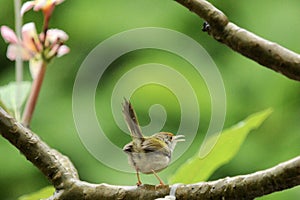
pixel 139 183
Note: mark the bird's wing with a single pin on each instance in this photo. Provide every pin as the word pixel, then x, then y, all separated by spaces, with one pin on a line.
pixel 155 145
pixel 132 121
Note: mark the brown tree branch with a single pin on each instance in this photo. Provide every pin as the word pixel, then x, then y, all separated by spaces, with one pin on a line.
pixel 63 176
pixel 266 53
pixel 56 167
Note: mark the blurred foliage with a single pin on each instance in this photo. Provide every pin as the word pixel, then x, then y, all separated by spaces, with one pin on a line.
pixel 227 145
pixel 249 87
pixel 41 194
pixel 9 95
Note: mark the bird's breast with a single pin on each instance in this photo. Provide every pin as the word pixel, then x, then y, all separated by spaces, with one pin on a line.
pixel 146 162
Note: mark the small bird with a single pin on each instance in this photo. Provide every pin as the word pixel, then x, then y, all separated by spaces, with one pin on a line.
pixel 147 155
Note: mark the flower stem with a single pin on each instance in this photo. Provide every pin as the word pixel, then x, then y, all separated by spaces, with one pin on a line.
pixel 19 62
pixel 33 96
pixel 45 28
pixel 18 25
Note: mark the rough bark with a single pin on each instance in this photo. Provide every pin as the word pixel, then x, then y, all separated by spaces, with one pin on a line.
pixel 63 176
pixel 266 53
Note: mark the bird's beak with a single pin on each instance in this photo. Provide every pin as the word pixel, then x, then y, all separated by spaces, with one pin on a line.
pixel 179 138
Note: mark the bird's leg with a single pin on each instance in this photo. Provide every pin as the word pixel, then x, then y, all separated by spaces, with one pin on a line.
pixel 159 179
pixel 139 179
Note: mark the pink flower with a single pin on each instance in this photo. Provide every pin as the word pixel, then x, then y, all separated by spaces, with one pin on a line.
pixel 31 46
pixel 47 6
pixel 54 43
pixel 26 48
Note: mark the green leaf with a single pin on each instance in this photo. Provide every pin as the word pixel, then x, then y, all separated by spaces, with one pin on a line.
pixel 228 144
pixel 2 105
pixel 41 194
pixel 13 96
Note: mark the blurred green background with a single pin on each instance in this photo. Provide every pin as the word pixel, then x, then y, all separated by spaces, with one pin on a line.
pixel 249 87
